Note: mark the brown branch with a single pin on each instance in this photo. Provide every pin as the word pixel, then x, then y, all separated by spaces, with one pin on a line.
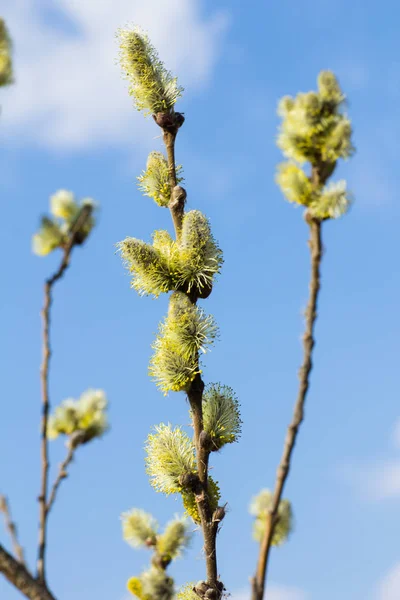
pixel 44 373
pixel 62 474
pixel 208 525
pixel 195 394
pixel 178 194
pixel 19 576
pixel 258 583
pixel 12 529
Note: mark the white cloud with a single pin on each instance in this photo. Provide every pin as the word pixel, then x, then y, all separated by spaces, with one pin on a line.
pixel 389 587
pixel 69 91
pixel 376 479
pixel 273 592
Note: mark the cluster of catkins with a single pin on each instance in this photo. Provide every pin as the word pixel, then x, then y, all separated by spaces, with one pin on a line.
pixel 80 420
pixel 55 232
pixel 84 419
pixel 186 267
pixel 314 129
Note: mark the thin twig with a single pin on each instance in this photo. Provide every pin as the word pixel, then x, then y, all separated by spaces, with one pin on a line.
pixel 12 529
pixel 62 474
pixel 258 583
pixel 44 372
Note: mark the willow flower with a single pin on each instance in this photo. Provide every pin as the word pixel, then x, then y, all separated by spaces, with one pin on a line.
pixel 190 502
pixel 63 205
pixel 187 592
pixel 200 257
pixel 153 584
pixel 154 181
pixel 221 415
pixel 333 201
pixel 186 331
pixel 313 127
pixel 170 454
pixel 153 88
pixel 150 269
pixel 259 508
pixel 175 538
pixel 329 88
pixel 294 183
pixel 139 528
pixel 86 416
pixel 48 238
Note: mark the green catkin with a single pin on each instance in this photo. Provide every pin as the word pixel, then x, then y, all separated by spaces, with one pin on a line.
pixel 153 88
pixel 315 129
pixel 259 509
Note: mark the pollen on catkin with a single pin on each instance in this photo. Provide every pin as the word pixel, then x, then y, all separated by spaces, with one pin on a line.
pixel 332 202
pixel 154 181
pixel 185 332
pixel 134 586
pixel 221 415
pixel 139 528
pixel 187 592
pixel 175 538
pixel 153 88
pixel 294 183
pixel 190 503
pixel 170 454
pixel 150 270
pixel 259 508
pixel 200 257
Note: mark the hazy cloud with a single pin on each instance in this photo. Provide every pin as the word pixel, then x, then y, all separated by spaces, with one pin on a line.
pixel 69 91
pixel 376 479
pixel 389 587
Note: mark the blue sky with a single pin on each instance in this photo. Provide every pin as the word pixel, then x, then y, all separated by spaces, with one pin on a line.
pixel 68 123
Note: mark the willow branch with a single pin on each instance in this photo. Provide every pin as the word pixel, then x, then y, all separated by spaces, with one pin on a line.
pixel 62 474
pixel 19 576
pixel 12 529
pixel 195 393
pixel 178 194
pixel 208 525
pixel 315 244
pixel 44 374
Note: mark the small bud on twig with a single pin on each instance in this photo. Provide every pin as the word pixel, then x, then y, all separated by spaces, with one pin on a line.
pixel 219 514
pixel 170 122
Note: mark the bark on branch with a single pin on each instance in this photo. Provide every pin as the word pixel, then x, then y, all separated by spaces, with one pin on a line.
pixel 258 583
pixel 19 576
pixel 195 394
pixel 178 194
pixel 208 525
